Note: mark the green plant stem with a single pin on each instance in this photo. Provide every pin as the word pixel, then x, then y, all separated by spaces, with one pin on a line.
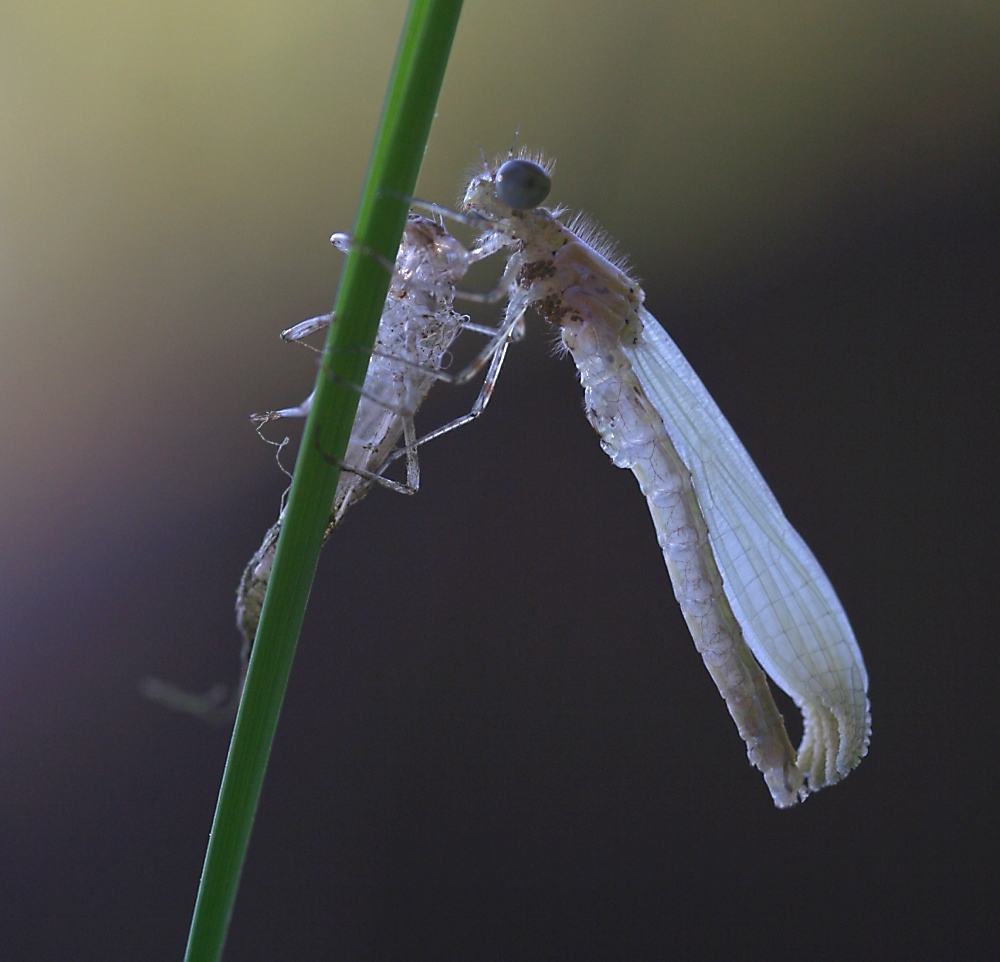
pixel 392 176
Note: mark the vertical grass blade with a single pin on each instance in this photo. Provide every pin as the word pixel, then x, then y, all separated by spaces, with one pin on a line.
pixel 392 176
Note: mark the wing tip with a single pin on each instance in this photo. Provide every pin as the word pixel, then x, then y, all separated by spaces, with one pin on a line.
pixel 833 743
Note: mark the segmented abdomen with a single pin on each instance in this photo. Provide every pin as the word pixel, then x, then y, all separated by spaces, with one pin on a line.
pixel 633 435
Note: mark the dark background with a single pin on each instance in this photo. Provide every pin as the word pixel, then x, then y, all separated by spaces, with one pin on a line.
pixel 499 742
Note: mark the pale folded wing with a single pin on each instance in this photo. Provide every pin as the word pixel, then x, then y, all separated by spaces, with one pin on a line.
pixel 790 615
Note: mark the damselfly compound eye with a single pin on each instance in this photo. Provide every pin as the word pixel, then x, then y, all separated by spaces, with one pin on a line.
pixel 522 184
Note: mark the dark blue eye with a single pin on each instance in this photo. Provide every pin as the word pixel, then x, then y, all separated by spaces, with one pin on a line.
pixel 522 184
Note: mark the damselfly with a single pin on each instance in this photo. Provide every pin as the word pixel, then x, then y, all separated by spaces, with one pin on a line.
pixel 750 589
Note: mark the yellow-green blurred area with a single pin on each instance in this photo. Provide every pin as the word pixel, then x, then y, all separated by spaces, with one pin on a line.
pixel 519 750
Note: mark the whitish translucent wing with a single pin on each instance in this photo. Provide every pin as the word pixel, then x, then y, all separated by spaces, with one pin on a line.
pixel 790 615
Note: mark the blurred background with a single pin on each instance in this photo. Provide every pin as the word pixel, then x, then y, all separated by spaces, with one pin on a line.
pixel 499 742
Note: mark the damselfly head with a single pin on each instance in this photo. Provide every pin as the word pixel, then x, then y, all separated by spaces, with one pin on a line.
pixel 516 184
